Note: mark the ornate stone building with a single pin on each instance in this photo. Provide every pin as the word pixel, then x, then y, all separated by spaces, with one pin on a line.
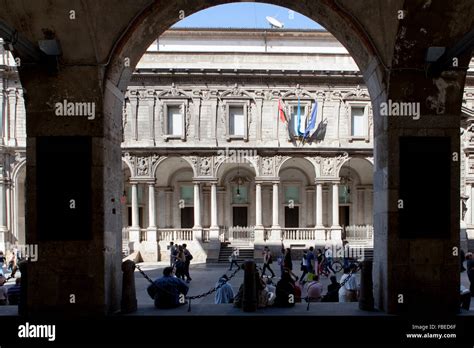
pixel 207 157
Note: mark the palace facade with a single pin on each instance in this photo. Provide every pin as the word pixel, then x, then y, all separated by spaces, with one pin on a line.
pixel 211 152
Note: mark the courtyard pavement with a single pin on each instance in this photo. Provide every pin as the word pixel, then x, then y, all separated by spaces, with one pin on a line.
pixel 205 276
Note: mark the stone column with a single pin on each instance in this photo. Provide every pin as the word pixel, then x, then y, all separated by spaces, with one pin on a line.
pixel 134 230
pixel 258 205
pixel 214 245
pixel 275 207
pixel 151 209
pixel 471 199
pixel 276 228
pixel 320 235
pixel 335 228
pixel 2 109
pixel 214 224
pixel 259 230
pixel 10 104
pixel 360 206
pixel 149 248
pixel 3 215
pixel 197 206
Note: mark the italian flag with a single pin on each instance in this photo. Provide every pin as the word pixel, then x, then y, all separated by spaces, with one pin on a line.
pixel 281 112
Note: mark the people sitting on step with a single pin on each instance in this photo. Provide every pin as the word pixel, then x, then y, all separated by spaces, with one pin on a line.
pixel 333 289
pixel 271 289
pixel 285 291
pixel 168 291
pixel 349 286
pixel 313 290
pixel 225 293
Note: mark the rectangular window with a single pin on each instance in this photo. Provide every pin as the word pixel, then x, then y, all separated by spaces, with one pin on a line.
pixel 358 122
pixel 175 120
pixel 187 194
pixel 236 121
pixel 344 194
pixel 239 195
pixel 292 194
pixel 295 125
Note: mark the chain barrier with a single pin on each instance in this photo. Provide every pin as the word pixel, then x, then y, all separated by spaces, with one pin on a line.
pixel 189 298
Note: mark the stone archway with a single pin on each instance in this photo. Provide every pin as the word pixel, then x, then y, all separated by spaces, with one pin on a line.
pixel 389 50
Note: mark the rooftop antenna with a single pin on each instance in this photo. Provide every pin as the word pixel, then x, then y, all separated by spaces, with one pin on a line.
pixel 274 23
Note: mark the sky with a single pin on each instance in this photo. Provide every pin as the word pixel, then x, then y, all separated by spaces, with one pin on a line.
pixel 246 15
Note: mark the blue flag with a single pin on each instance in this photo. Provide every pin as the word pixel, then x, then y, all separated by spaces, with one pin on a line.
pixel 312 121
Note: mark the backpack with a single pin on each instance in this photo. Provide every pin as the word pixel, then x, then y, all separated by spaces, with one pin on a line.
pixel 188 256
pixel 270 259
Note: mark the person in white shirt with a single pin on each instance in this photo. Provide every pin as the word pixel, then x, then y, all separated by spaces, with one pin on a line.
pixel 348 291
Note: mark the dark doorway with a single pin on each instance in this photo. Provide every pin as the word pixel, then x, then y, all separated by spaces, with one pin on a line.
pixel 239 216
pixel 187 217
pixel 344 215
pixel 292 217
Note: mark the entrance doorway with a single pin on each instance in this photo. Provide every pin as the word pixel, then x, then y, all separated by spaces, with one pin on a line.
pixel 187 217
pixel 292 217
pixel 344 215
pixel 239 216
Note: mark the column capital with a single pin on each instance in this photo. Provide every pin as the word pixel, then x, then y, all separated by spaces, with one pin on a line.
pixel 331 180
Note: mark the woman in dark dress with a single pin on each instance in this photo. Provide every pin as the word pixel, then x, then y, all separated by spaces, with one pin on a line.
pixel 288 264
pixel 285 291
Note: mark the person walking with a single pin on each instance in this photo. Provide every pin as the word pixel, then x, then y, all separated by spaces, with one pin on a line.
pixel 2 262
pixel 233 258
pixel 267 260
pixel 173 253
pixel 187 262
pixel 304 266
pixel 180 263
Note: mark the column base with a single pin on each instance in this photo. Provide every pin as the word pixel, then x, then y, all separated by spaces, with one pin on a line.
pixel 336 234
pixel 152 234
pixel 133 239
pixel 214 234
pixel 259 234
pixel 197 233
pixel 276 233
pixel 320 234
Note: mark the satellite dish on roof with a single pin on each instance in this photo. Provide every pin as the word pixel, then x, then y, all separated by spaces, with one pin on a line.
pixel 274 23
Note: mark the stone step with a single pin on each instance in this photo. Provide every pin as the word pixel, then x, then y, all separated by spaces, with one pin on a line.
pixel 245 253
